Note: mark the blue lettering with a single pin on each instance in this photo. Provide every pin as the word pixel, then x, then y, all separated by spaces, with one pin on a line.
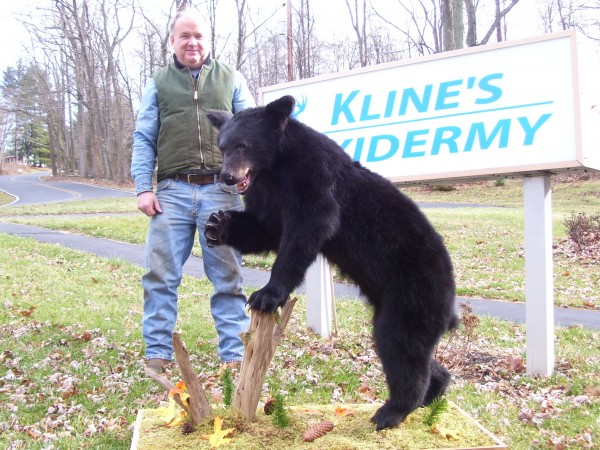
pixel 531 130
pixel 445 93
pixel 412 141
pixel 394 143
pixel 478 130
pixel 343 107
pixel 494 91
pixel 421 105
pixel 357 149
pixel 448 136
pixel 364 113
pixel 389 106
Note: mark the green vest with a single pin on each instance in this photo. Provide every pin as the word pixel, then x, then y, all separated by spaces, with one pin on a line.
pixel 187 142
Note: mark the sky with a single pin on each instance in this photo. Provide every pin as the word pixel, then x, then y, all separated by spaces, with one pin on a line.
pixel 13 35
pixel 11 32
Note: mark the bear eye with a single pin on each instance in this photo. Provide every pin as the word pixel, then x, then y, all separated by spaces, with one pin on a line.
pixel 241 146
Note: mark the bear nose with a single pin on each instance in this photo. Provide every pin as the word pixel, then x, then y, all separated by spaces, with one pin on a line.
pixel 227 178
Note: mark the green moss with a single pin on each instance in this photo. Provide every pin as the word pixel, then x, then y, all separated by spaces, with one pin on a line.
pixel 349 432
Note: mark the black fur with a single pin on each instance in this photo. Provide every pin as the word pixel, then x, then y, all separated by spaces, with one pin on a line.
pixel 306 196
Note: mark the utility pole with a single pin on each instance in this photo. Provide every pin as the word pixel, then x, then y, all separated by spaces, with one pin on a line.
pixel 290 54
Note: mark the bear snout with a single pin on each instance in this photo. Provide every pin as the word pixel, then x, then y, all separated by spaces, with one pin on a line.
pixel 228 178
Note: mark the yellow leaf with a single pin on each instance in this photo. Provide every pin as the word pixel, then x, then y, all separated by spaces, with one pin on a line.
pixel 177 419
pixel 168 414
pixel 171 414
pixel 218 437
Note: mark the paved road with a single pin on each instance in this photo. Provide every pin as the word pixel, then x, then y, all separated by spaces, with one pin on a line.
pixel 514 312
pixel 29 189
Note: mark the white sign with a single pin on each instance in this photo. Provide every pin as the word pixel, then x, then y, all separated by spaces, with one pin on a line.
pixel 509 108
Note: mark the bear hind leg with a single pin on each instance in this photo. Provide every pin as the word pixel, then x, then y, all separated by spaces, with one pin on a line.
pixel 407 367
pixel 438 382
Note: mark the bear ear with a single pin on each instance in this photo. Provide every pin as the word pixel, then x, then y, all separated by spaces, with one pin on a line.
pixel 218 118
pixel 281 109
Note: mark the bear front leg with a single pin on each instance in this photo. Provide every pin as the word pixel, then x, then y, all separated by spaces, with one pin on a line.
pixel 268 299
pixel 239 230
pixel 293 259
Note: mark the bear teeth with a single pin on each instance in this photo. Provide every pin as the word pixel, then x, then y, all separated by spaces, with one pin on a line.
pixel 242 186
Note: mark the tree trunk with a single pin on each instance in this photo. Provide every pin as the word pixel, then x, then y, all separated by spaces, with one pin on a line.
pixel 260 343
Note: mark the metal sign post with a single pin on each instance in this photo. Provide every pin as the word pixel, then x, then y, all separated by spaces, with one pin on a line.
pixel 319 297
pixel 539 308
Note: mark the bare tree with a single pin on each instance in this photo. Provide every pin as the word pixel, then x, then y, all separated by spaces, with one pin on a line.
pixel 303 39
pixel 358 17
pixel 6 127
pixel 582 15
pixel 83 43
pixel 422 29
pixel 495 26
pixel 452 24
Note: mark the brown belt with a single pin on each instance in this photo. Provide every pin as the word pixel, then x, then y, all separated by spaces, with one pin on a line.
pixel 192 178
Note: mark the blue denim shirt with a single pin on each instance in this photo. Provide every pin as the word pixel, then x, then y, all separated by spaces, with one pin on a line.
pixel 145 136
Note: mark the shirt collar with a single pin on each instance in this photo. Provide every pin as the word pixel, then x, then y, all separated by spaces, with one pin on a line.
pixel 206 62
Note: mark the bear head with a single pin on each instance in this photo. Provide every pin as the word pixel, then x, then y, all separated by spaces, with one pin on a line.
pixel 250 140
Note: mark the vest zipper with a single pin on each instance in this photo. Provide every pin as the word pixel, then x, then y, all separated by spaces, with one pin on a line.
pixel 196 84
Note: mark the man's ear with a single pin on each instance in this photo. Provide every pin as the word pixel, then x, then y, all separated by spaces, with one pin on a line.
pixel 218 118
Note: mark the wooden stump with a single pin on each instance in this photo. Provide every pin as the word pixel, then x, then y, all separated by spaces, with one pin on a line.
pixel 198 403
pixel 260 343
pixel 197 406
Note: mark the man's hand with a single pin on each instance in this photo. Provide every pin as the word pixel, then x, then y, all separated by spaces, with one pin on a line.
pixel 148 203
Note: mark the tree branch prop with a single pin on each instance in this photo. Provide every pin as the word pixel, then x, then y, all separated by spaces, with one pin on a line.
pixel 260 343
pixel 167 385
pixel 198 403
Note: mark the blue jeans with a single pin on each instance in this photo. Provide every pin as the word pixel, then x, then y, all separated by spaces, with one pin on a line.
pixel 169 242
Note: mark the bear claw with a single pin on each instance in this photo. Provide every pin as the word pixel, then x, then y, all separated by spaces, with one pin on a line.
pixel 387 417
pixel 215 230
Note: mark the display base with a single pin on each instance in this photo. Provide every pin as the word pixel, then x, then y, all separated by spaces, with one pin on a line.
pixel 352 430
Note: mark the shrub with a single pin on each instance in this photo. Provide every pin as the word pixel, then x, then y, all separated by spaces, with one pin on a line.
pixel 583 230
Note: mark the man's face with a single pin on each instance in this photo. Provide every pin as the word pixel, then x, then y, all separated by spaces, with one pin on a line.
pixel 190 40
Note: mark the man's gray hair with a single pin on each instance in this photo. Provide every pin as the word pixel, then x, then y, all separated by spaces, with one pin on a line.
pixel 188 11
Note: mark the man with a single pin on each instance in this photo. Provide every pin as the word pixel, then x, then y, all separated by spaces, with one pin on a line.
pixel 173 133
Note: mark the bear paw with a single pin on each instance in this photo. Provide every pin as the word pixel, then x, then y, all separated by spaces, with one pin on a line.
pixel 388 416
pixel 216 229
pixel 267 299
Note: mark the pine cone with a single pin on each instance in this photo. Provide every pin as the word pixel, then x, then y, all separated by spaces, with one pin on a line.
pixel 187 428
pixel 318 430
pixel 269 406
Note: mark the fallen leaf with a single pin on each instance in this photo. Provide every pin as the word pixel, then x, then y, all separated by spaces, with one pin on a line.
pixel 308 411
pixel 445 432
pixel 218 437
pixel 27 312
pixel 343 412
pixel 172 415
pixel 183 396
pixel 515 364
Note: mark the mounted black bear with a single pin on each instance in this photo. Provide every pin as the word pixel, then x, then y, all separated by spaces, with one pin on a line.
pixel 305 196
